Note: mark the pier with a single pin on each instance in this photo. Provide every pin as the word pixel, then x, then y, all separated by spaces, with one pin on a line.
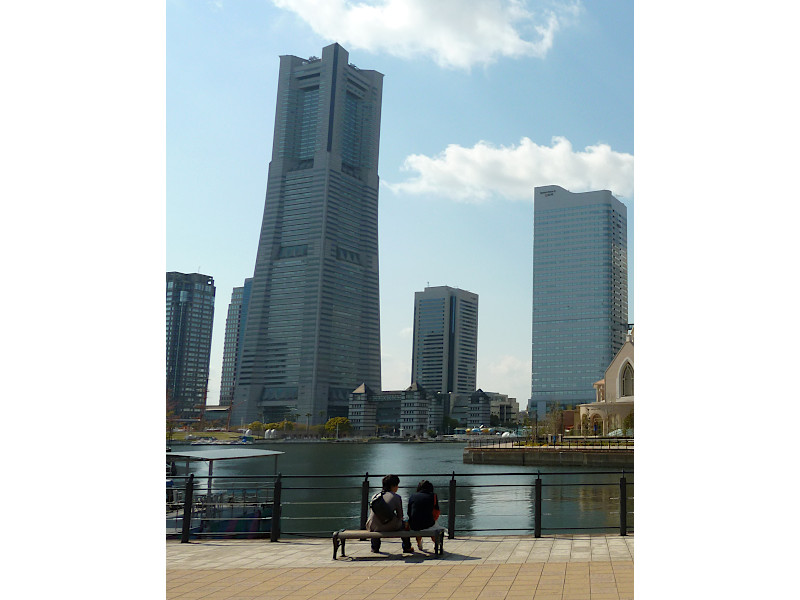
pixel 567 567
pixel 579 453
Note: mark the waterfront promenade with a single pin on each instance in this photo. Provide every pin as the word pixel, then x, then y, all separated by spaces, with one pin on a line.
pixel 564 567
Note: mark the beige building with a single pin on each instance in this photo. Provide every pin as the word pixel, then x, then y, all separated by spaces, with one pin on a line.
pixel 614 395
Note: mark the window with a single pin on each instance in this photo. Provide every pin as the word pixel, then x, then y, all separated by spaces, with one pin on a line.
pixel 627 380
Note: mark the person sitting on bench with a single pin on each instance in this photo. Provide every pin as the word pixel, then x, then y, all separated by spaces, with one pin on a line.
pixel 386 513
pixel 423 509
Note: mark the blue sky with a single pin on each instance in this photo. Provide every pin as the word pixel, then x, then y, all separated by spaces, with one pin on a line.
pixel 98 171
pixel 482 101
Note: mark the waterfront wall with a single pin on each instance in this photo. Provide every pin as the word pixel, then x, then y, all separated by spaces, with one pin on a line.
pixel 549 457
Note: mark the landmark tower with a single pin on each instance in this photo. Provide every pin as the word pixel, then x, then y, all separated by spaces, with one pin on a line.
pixel 312 333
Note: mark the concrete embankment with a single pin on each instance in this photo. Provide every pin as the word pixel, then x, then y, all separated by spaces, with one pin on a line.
pixel 541 456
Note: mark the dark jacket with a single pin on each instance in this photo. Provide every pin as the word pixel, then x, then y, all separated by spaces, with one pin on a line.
pixel 420 510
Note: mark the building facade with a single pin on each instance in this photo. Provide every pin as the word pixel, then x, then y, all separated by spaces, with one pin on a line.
pixel 613 396
pixel 580 293
pixel 410 412
pixel 312 332
pixel 504 408
pixel 232 348
pixel 445 350
pixel 190 319
pixel 471 410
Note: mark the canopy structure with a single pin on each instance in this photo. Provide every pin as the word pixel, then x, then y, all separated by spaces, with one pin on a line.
pixel 210 455
pixel 227 453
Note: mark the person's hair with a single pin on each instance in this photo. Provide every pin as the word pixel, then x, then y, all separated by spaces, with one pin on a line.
pixel 425 486
pixel 389 481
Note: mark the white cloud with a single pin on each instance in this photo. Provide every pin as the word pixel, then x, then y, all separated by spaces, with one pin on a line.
pixel 486 171
pixel 454 33
pixel 505 375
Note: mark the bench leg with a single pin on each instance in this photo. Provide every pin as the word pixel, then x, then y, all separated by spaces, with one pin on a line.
pixel 335 545
pixel 343 541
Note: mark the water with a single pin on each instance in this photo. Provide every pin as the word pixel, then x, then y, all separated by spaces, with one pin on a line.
pixel 317 507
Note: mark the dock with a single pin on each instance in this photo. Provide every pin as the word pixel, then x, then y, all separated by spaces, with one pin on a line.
pixel 567 567
pixel 559 456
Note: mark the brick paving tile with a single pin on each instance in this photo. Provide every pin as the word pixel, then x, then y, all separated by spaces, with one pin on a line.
pixel 498 568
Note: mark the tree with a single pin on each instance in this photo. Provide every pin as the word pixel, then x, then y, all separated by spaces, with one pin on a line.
pixel 256 427
pixel 555 421
pixel 494 421
pixel 338 424
pixel 449 424
pixel 627 422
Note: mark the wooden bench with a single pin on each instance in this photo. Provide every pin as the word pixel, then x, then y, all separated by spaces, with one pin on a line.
pixel 436 532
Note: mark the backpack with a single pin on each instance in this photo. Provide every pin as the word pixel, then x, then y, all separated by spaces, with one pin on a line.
pixel 381 509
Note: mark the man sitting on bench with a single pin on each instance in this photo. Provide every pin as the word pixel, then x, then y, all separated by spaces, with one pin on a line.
pixel 386 513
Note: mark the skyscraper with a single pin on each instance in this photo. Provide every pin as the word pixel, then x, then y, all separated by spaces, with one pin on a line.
pixel 580 293
pixel 445 353
pixel 312 333
pixel 232 348
pixel 190 318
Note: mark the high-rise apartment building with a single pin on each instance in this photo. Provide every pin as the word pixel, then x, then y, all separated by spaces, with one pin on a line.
pixel 445 352
pixel 190 318
pixel 312 333
pixel 580 293
pixel 232 348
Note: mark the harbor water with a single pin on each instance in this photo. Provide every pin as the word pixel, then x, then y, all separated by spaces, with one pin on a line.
pixel 490 499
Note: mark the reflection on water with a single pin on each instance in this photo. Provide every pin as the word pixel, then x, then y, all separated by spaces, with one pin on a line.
pixel 324 505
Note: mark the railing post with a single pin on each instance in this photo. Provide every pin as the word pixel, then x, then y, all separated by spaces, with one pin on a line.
pixel 275 524
pixel 451 508
pixel 364 501
pixel 623 505
pixel 187 509
pixel 537 507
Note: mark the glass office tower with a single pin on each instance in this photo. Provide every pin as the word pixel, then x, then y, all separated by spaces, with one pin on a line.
pixel 312 333
pixel 580 293
pixel 190 319
pixel 445 353
pixel 234 332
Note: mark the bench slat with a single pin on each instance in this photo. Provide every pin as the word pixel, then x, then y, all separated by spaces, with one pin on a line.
pixel 437 532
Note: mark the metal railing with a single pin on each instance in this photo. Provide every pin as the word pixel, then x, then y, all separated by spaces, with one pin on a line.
pixel 548 442
pixel 271 505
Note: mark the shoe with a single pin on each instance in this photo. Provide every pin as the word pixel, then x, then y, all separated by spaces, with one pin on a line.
pixel 419 545
pixel 408 551
pixel 374 551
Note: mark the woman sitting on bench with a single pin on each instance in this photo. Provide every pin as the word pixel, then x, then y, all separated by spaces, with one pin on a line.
pixel 423 509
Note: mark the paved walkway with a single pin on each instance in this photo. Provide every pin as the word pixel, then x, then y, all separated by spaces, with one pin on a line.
pixel 564 567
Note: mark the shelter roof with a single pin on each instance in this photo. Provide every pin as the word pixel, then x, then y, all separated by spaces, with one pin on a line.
pixel 226 453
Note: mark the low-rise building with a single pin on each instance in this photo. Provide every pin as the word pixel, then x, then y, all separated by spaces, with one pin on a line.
pixel 415 411
pixel 504 408
pixel 613 395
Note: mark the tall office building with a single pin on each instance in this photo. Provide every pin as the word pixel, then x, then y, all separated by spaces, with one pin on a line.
pixel 445 353
pixel 190 318
pixel 232 348
pixel 312 333
pixel 580 293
